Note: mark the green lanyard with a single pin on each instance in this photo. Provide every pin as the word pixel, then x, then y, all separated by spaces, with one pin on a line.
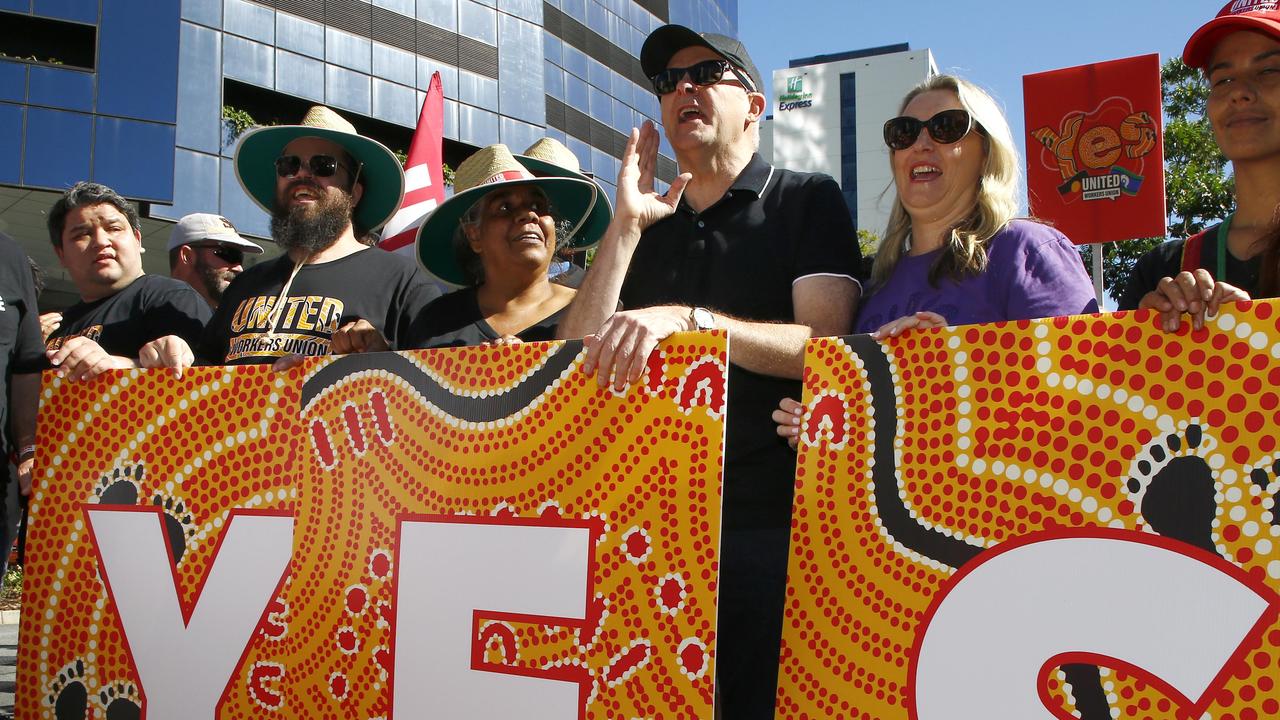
pixel 1223 229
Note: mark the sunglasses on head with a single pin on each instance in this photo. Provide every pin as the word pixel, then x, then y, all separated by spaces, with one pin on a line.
pixel 707 72
pixel 948 126
pixel 229 255
pixel 320 165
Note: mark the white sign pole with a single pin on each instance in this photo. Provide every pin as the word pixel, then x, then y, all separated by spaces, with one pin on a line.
pixel 1099 288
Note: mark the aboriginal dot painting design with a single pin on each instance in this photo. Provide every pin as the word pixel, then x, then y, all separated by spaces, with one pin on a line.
pixel 194 449
pixel 918 454
pixel 351 444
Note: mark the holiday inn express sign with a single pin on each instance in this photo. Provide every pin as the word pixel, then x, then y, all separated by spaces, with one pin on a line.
pixel 795 98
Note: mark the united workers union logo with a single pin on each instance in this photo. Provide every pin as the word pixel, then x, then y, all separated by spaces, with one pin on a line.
pixel 1244 6
pixel 795 97
pixel 1100 154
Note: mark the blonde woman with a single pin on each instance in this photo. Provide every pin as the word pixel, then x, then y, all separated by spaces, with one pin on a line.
pixel 953 253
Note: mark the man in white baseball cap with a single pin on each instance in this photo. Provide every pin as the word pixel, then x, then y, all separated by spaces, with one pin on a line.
pixel 207 253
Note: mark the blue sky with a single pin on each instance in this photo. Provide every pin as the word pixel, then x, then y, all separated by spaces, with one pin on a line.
pixel 992 42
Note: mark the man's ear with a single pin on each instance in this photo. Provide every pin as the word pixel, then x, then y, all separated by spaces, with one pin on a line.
pixel 756 109
pixel 357 192
pixel 186 255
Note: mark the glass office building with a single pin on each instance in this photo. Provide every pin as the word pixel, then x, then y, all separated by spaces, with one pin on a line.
pixel 131 93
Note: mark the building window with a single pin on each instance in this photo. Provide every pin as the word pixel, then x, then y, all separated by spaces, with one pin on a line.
pixel 849 142
pixel 32 39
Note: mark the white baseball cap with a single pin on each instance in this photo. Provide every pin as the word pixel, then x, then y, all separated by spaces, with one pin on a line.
pixel 207 227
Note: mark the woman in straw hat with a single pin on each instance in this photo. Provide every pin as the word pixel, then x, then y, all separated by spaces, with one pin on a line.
pixel 495 239
pixel 549 157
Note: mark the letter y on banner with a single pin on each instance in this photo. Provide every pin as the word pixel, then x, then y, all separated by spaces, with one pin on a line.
pixel 166 639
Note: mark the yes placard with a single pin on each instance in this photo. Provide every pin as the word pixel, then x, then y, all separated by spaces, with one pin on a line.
pixel 474 533
pixel 1064 518
pixel 1095 151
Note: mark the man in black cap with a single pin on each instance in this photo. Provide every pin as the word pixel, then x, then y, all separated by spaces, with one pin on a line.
pixel 767 254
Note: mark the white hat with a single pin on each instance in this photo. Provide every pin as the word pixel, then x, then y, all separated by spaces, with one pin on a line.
pixel 207 227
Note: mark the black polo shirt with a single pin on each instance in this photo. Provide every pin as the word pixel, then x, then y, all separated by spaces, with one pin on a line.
pixel 740 257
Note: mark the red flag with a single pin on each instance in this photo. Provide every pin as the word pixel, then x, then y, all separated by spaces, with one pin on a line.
pixel 423 175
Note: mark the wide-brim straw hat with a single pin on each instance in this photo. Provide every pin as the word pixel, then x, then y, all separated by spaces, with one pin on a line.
pixel 489 169
pixel 381 172
pixel 550 158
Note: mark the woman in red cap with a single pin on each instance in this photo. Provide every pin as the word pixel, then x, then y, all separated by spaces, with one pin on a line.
pixel 1239 53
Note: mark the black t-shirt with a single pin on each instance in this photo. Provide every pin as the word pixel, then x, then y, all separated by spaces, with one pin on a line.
pixel 150 307
pixel 741 257
pixel 385 289
pixel 21 349
pixel 1165 260
pixel 455 320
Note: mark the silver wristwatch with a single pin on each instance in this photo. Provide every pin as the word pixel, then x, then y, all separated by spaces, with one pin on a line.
pixel 702 319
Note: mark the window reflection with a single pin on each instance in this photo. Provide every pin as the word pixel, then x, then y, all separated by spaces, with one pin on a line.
pixel 477 22
pixel 200 90
pixel 300 36
pixel 441 13
pixel 520 80
pixel 347 50
pixel 300 76
pixel 346 89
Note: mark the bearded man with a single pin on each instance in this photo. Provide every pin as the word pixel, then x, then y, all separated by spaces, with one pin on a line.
pixel 325 186
pixel 207 253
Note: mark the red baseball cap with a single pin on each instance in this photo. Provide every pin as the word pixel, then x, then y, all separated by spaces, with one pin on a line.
pixel 1258 15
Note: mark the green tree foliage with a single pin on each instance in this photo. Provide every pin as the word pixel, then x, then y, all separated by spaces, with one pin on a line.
pixel 1198 187
pixel 236 121
pixel 868 243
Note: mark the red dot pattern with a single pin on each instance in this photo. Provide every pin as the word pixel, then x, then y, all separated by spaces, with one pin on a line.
pixel 636 461
pixel 975 401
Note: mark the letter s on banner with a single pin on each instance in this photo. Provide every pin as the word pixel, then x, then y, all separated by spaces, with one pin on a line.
pixel 452 569
pixel 166 638
pixel 1123 599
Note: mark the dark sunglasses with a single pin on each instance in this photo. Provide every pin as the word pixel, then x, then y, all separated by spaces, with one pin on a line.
pixel 229 255
pixel 707 72
pixel 948 126
pixel 320 165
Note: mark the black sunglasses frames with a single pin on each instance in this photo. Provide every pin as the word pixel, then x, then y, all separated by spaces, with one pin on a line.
pixel 319 165
pixel 229 255
pixel 707 72
pixel 946 127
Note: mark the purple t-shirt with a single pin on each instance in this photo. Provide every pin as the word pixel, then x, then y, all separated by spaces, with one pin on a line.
pixel 1033 271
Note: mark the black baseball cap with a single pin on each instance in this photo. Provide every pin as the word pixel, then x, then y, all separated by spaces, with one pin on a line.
pixel 668 40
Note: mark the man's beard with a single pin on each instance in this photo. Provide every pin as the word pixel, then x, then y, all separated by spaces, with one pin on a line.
pixel 215 280
pixel 311 228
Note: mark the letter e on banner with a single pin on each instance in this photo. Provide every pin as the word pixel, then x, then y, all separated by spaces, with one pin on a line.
pixel 167 640
pixel 1122 599
pixel 451 570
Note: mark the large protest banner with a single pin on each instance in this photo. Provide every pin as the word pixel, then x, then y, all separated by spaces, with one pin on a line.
pixel 1095 149
pixel 469 533
pixel 1064 518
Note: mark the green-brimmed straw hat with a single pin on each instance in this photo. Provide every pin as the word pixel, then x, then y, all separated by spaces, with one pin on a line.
pixel 489 169
pixel 550 158
pixel 383 176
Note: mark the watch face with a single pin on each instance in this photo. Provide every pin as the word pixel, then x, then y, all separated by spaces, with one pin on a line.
pixel 703 319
